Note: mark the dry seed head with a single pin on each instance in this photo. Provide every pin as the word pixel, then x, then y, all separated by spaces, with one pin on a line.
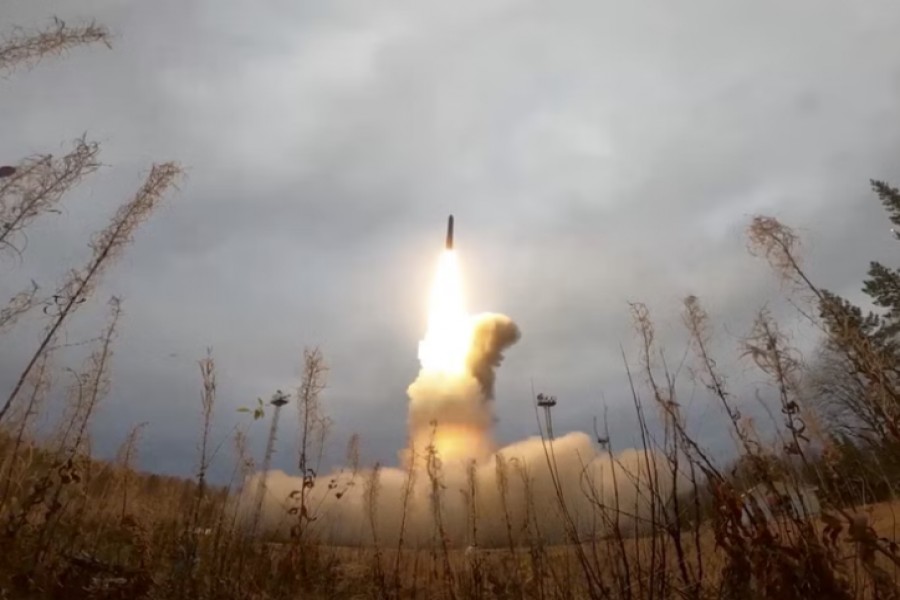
pixel 695 319
pixel 776 242
pixel 129 216
pixel 24 48
pixel 36 186
pixel 18 305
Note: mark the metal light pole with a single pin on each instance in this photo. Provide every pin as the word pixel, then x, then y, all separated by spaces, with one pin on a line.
pixel 278 400
pixel 547 402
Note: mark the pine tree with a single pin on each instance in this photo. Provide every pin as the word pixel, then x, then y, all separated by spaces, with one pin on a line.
pixel 883 284
pixel 890 198
pixel 868 345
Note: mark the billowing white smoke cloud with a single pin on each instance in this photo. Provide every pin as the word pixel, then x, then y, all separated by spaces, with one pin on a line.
pixel 516 492
pixel 454 411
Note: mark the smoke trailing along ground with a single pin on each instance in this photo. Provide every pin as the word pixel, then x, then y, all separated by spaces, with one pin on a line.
pixel 500 493
pixel 519 489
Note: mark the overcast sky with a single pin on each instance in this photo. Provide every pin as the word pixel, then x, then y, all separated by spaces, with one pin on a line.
pixel 593 152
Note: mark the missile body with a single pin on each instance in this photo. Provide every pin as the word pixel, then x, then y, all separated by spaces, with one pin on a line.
pixel 449 243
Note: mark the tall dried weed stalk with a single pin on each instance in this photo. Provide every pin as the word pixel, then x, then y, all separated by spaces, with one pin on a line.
pixel 106 246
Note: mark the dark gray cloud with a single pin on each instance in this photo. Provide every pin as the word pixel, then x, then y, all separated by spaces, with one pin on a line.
pixel 594 153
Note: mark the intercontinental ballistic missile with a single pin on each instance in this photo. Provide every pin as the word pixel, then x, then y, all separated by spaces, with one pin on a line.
pixel 449 244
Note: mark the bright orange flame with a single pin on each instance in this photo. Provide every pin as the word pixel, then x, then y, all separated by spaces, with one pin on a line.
pixel 449 332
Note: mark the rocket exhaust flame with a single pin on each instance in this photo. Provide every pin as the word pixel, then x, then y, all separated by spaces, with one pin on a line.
pixel 448 334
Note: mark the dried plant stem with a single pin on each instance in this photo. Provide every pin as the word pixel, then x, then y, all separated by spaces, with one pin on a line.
pixel 106 246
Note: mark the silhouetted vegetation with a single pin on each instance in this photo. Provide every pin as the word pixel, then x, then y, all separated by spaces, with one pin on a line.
pixel 75 527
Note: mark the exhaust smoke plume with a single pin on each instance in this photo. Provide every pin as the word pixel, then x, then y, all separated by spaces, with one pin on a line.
pixel 454 408
pixel 453 482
